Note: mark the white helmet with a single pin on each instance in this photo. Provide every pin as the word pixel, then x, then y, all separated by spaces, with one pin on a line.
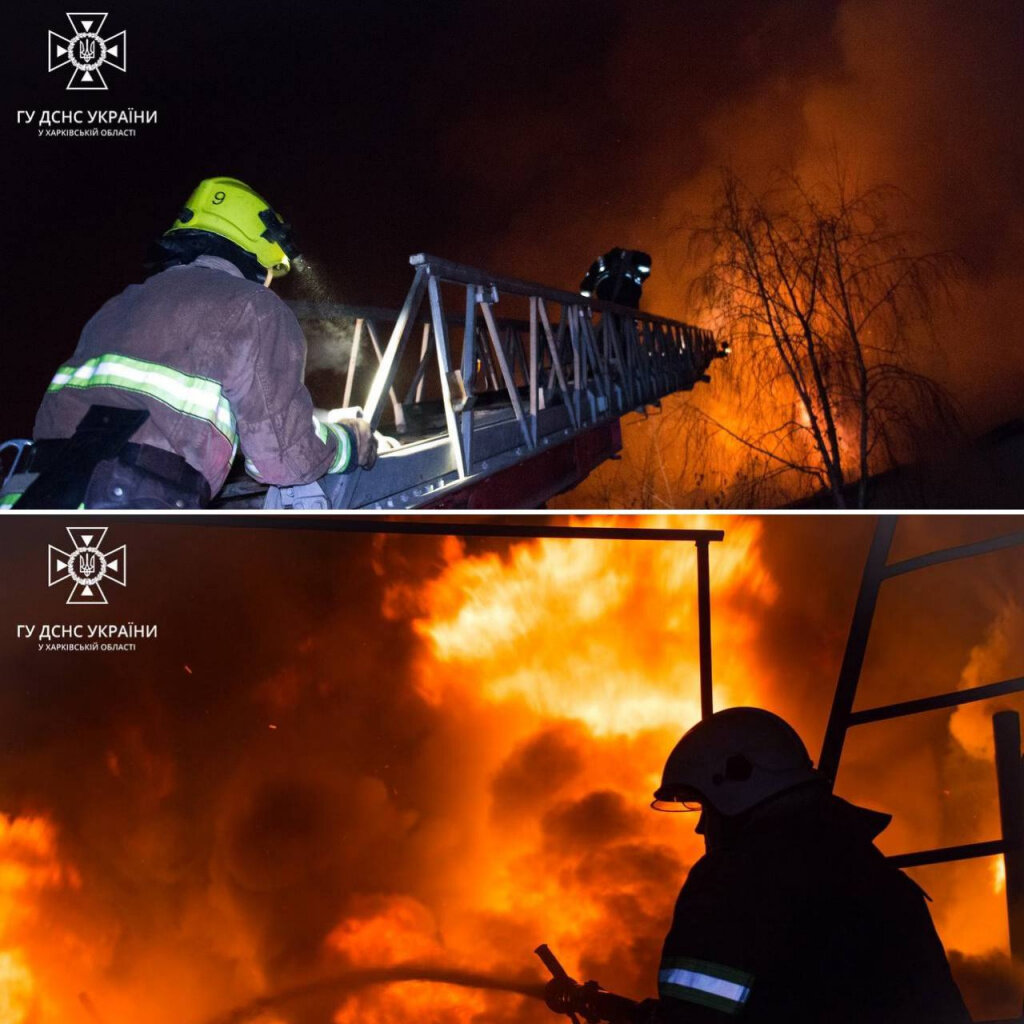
pixel 733 761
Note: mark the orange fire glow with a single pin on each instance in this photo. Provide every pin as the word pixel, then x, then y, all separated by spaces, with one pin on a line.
pixel 999 875
pixel 556 629
pixel 29 868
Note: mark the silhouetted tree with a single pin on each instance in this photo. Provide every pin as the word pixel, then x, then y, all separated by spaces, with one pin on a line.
pixel 817 291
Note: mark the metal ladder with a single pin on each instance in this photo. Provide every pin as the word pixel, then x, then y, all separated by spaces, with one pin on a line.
pixel 1006 724
pixel 490 410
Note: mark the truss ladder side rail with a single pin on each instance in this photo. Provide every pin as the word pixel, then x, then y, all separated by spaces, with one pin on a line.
pixel 518 389
pixel 678 350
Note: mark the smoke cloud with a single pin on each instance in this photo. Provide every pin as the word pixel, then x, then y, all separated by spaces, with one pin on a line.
pixel 627 150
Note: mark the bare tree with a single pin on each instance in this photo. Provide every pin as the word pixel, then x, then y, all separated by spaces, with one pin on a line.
pixel 819 291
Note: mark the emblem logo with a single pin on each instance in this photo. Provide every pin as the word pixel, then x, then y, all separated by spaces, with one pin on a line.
pixel 87 565
pixel 87 51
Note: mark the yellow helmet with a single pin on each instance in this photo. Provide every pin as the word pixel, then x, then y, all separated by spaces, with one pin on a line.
pixel 231 209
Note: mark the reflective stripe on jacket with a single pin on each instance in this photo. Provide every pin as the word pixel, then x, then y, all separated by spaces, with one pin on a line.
pixel 217 360
pixel 717 986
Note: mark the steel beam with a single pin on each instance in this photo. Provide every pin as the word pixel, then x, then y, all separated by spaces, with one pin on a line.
pixel 444 369
pixel 506 372
pixel 704 628
pixel 942 700
pixel 984 547
pixel 396 405
pixel 556 362
pixel 856 646
pixel 1006 729
pixel 438 526
pixel 385 376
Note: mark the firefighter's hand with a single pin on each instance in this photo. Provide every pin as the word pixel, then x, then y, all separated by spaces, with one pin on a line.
pixel 366 441
pixel 560 994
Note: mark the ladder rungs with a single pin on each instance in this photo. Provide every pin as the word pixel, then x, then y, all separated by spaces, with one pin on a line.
pixel 984 547
pixel 943 700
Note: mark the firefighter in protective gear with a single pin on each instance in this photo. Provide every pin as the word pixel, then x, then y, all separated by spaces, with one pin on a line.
pixel 793 915
pixel 172 377
pixel 618 276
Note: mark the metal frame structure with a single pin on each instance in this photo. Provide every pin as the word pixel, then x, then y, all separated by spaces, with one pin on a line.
pixel 1006 724
pixel 546 388
pixel 701 539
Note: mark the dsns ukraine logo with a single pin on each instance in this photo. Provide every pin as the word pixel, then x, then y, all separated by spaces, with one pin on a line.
pixel 87 565
pixel 87 51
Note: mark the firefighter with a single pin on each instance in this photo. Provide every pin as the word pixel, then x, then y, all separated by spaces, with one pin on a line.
pixel 792 915
pixel 618 276
pixel 172 377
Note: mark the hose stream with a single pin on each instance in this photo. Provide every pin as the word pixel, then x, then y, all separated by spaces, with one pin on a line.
pixel 351 981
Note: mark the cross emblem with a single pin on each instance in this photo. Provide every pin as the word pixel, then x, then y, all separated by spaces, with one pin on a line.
pixel 87 565
pixel 87 51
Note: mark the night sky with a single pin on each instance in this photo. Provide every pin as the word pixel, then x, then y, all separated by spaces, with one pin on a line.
pixel 523 137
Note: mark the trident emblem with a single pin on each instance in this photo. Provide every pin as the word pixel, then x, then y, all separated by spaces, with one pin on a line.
pixel 87 565
pixel 87 51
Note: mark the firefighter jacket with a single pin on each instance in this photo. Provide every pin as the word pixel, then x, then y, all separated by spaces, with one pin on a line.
pixel 217 361
pixel 799 919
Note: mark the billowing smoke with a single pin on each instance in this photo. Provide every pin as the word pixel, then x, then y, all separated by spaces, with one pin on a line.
pixel 629 153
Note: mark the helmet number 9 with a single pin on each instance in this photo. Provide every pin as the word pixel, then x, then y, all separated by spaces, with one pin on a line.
pixel 218 198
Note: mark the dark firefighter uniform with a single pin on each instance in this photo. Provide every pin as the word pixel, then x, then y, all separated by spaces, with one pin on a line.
pixel 618 276
pixel 216 361
pixel 798 918
pixel 792 916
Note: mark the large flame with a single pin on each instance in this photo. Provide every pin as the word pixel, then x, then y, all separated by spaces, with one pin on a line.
pixel 597 632
pixel 29 869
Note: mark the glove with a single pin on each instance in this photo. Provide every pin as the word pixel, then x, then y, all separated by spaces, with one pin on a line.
pixel 593 1003
pixel 364 440
pixel 560 994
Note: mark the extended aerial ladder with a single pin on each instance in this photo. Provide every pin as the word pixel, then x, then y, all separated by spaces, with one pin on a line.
pixel 496 406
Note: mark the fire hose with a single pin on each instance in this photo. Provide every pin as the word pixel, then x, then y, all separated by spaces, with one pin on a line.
pixel 353 981
pixel 562 994
pixel 589 1001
